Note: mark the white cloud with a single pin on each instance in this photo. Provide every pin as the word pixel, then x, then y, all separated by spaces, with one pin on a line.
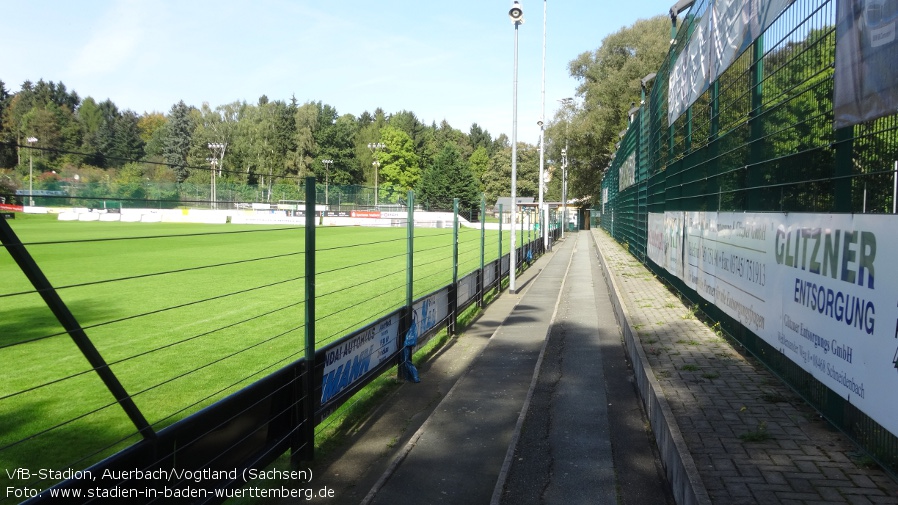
pixel 115 38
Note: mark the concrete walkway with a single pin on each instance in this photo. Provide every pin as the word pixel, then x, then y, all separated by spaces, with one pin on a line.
pixel 458 454
pixel 536 403
pixel 584 438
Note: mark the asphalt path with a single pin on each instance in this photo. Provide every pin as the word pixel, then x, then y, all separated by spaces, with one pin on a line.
pixel 585 438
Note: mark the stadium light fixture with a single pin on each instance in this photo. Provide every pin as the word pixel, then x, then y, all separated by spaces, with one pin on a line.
pixel 218 150
pixel 31 141
pixel 327 164
pixel 375 147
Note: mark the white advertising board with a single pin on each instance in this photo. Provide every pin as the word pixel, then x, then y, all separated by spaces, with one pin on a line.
pixel 665 241
pixel 806 284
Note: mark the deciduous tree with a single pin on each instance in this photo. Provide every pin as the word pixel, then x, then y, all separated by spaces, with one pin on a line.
pixel 609 86
pixel 399 169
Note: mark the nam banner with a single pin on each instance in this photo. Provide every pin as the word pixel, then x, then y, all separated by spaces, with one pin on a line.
pixel 806 284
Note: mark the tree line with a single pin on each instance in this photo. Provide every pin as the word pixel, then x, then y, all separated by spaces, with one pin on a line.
pixel 280 142
pixel 265 143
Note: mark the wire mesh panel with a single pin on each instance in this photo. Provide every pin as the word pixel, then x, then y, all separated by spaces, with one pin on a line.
pixel 188 346
pixel 755 123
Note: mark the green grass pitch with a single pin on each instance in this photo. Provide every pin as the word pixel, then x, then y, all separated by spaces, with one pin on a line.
pixel 185 315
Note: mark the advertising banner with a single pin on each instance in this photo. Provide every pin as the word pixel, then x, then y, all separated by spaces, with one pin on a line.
pixel 429 312
pixel 807 285
pixel 665 241
pixel 727 264
pixel 489 274
pixel 349 361
pixel 723 33
pixel 467 289
pixel 866 77
pixel 690 74
pixel 654 247
pixel 365 213
pixel 627 172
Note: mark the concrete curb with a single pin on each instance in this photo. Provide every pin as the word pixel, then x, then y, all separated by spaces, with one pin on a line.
pixel 680 468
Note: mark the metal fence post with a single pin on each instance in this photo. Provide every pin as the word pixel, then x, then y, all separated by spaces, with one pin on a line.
pixel 410 250
pixel 519 261
pixel 308 420
pixel 65 317
pixel 754 176
pixel 408 315
pixel 480 284
pixel 499 267
pixel 843 170
pixel 453 292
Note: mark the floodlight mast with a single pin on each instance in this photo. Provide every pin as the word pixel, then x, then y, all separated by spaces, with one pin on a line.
pixel 516 13
pixel 327 174
pixel 566 103
pixel 375 147
pixel 542 145
pixel 218 150
pixel 31 141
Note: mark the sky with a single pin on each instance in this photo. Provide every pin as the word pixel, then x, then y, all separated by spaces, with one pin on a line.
pixel 450 61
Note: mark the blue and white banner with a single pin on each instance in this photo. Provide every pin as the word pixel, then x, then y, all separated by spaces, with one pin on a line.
pixel 349 361
pixel 428 313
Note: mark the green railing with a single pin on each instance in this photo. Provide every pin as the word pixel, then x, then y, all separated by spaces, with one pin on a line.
pixel 762 137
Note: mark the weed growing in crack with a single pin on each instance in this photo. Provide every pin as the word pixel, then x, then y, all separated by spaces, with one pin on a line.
pixel 758 435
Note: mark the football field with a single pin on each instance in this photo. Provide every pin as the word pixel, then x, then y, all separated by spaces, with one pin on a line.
pixel 184 314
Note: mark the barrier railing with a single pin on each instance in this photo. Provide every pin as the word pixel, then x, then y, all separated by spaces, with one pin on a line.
pixel 218 443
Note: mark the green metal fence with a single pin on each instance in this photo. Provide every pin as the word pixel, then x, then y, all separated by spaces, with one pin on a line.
pixel 167 195
pixel 761 138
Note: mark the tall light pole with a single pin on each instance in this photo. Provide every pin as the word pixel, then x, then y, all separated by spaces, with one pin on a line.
pixel 542 142
pixel 218 150
pixel 375 147
pixel 563 189
pixel 327 175
pixel 566 102
pixel 31 141
pixel 516 13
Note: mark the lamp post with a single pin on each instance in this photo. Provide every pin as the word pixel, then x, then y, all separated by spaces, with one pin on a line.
pixel 542 142
pixel 375 147
pixel 563 189
pixel 566 102
pixel 212 162
pixel 327 172
pixel 516 13
pixel 218 150
pixel 31 141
